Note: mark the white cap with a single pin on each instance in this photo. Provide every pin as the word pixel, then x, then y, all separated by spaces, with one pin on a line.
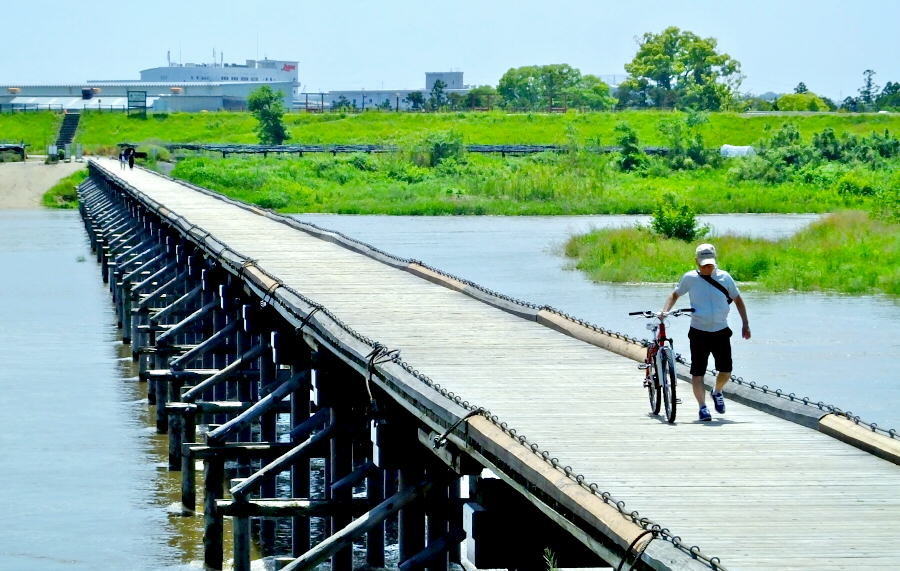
pixel 706 254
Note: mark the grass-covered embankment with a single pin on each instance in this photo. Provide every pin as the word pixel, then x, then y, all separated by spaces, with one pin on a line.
pixel 544 184
pixel 62 194
pixel 37 130
pixel 846 252
pixel 101 131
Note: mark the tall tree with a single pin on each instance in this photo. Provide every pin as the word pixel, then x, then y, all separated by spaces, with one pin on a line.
pixel 267 106
pixel 678 67
pixel 869 89
pixel 437 99
pixel 801 88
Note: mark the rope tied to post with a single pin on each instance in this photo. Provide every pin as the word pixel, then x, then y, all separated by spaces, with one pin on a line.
pixel 378 355
pixel 270 292
pixel 299 329
pixel 440 441
pixel 652 532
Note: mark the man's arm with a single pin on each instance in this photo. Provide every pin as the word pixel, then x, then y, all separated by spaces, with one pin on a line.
pixel 670 301
pixel 742 309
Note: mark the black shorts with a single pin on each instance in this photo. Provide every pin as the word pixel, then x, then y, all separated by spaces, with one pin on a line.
pixel 705 342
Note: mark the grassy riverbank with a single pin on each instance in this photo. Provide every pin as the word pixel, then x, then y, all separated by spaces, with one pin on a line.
pixel 62 194
pixel 37 130
pixel 100 131
pixel 847 252
pixel 542 184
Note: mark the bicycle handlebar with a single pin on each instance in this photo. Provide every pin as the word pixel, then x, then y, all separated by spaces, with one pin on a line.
pixel 648 314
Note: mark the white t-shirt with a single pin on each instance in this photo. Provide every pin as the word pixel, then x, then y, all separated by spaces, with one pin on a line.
pixel 710 306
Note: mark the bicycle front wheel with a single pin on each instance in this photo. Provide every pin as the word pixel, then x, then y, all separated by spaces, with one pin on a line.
pixel 652 381
pixel 667 380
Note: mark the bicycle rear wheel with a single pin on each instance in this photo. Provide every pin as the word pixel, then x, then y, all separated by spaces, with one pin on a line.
pixel 667 380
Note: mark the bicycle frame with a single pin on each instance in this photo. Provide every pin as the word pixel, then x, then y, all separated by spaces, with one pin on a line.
pixel 659 363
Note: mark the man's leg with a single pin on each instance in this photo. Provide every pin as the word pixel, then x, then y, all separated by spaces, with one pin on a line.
pixel 699 389
pixel 722 378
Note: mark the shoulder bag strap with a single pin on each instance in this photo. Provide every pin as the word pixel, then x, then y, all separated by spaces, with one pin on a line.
pixel 716 285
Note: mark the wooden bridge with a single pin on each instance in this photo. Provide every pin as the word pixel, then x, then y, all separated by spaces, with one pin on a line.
pixel 451 413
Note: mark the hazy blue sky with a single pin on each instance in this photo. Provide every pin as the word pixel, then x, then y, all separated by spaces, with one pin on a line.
pixel 351 44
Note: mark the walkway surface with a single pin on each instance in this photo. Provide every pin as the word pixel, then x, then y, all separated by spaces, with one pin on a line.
pixel 756 491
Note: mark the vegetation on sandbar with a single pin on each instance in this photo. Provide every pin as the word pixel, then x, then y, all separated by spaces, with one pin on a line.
pixel 62 194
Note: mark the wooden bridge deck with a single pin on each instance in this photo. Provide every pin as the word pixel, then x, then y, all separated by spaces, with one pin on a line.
pixel 755 490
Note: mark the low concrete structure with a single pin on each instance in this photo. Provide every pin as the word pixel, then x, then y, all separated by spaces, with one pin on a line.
pixel 159 96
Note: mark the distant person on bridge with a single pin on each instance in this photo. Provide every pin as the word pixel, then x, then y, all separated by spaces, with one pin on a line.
pixel 122 159
pixel 711 292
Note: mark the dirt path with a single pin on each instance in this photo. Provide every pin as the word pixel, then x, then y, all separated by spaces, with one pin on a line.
pixel 22 184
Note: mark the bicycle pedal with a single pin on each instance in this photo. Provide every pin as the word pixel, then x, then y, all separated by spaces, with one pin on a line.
pixel 643 366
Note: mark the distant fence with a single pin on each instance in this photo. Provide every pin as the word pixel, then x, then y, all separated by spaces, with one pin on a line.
pixel 56 107
pixel 264 150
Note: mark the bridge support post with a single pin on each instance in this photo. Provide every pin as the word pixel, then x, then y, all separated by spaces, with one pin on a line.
pixel 213 542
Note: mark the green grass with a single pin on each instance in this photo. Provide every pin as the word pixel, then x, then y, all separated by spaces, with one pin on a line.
pixel 37 129
pixel 102 130
pixel 544 184
pixel 62 194
pixel 846 252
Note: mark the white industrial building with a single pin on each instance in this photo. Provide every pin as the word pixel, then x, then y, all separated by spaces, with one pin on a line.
pixel 176 87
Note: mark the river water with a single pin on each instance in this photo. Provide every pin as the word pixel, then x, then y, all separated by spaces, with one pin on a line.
pixel 84 483
pixel 831 348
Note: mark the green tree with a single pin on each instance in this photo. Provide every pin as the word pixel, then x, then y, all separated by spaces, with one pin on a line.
pixel 631 156
pixel 481 97
pixel 867 92
pixel 267 106
pixel 437 99
pixel 808 101
pixel 681 68
pixel 801 88
pixel 416 100
pixel 590 92
pixel 889 98
pixel 537 87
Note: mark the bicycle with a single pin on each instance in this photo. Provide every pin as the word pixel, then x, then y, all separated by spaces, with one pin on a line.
pixel 659 364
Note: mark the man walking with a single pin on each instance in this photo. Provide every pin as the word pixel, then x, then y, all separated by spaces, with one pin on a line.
pixel 711 292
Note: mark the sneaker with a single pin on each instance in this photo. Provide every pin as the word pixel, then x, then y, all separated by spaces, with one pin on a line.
pixel 704 414
pixel 719 399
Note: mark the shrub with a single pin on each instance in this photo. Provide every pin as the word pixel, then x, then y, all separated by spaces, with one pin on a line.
pixel 674 219
pixel 438 147
pixel 857 183
pixel 631 156
pixel 274 199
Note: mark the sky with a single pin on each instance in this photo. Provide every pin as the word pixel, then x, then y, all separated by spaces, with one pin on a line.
pixel 351 44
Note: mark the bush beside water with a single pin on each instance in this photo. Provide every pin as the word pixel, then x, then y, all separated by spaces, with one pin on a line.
pixel 62 194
